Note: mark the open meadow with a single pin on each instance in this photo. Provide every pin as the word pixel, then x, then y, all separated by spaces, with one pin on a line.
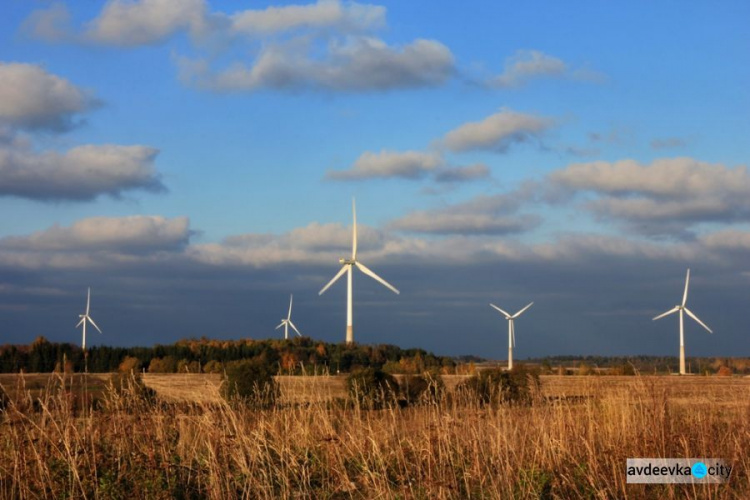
pixel 184 441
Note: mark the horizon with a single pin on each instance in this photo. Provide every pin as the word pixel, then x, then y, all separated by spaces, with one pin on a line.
pixel 195 166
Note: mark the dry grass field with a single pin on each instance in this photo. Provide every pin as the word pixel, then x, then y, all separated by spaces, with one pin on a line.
pixel 571 442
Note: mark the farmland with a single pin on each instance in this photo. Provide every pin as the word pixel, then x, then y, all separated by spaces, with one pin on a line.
pixel 571 442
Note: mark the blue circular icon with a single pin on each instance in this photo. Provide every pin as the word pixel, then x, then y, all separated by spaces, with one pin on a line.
pixel 699 470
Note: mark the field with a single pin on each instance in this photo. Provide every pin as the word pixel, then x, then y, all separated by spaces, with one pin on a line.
pixel 571 442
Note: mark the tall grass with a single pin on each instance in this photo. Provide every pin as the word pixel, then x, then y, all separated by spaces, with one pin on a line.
pixel 129 445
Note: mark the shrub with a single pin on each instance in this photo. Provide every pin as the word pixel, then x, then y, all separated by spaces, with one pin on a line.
pixel 724 371
pixel 499 386
pixel 372 388
pixel 250 380
pixel 129 364
pixel 425 388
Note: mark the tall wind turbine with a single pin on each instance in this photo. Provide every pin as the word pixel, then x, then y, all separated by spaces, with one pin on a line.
pixel 511 331
pixel 286 323
pixel 682 308
pixel 86 318
pixel 346 267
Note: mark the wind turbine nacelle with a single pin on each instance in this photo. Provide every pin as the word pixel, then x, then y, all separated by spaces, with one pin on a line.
pixel 343 261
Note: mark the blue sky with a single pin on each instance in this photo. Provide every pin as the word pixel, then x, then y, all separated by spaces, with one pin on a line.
pixel 194 162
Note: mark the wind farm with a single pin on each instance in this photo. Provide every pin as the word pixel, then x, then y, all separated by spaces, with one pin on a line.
pixel 190 167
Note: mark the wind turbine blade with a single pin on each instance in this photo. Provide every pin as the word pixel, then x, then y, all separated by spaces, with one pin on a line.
pixel 684 295
pixel 94 324
pixel 280 325
pixel 82 320
pixel 354 231
pixel 507 316
pixel 369 272
pixel 689 313
pixel 513 332
pixel 338 275
pixel 295 328
pixel 673 310
pixel 522 310
pixel 88 301
pixel 290 307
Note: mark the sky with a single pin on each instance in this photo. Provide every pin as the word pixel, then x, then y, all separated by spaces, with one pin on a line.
pixel 194 163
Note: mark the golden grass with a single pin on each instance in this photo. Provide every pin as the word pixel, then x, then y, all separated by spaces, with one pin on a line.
pixel 571 446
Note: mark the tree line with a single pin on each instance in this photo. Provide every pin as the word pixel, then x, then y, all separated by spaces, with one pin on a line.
pixel 295 356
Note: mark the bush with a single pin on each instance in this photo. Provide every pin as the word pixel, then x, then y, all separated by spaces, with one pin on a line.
pixel 425 388
pixel 250 380
pixel 372 388
pixel 500 386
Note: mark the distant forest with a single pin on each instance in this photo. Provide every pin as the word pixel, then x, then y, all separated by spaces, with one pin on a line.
pixel 304 355
pixel 204 355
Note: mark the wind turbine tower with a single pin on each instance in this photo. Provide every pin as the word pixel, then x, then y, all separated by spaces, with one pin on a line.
pixel 86 318
pixel 511 330
pixel 683 309
pixel 286 323
pixel 346 267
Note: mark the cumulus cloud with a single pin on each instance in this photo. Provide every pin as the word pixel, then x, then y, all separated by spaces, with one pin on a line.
pixel 313 244
pixel 389 164
pixel 497 132
pixel 358 64
pixel 93 243
pixel 410 165
pixel 483 215
pixel 323 14
pixel 445 222
pixel 135 233
pixel 80 174
pixel 666 196
pixel 526 65
pixel 132 23
pixel 52 24
pixel 32 98
pixel 146 22
pixel 324 46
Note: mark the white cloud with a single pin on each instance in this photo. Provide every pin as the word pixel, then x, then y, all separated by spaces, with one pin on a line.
pixel 482 215
pixel 497 132
pixel 668 177
pixel 120 234
pixel 32 98
pixel 411 165
pixel 389 164
pixel 359 64
pixel 144 22
pixel 82 173
pixel 323 14
pixel 463 223
pixel 52 24
pixel 526 65
pixel 667 196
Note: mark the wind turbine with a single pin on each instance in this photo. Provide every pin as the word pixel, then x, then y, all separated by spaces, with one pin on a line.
pixel 682 308
pixel 511 331
pixel 286 323
pixel 84 319
pixel 346 267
